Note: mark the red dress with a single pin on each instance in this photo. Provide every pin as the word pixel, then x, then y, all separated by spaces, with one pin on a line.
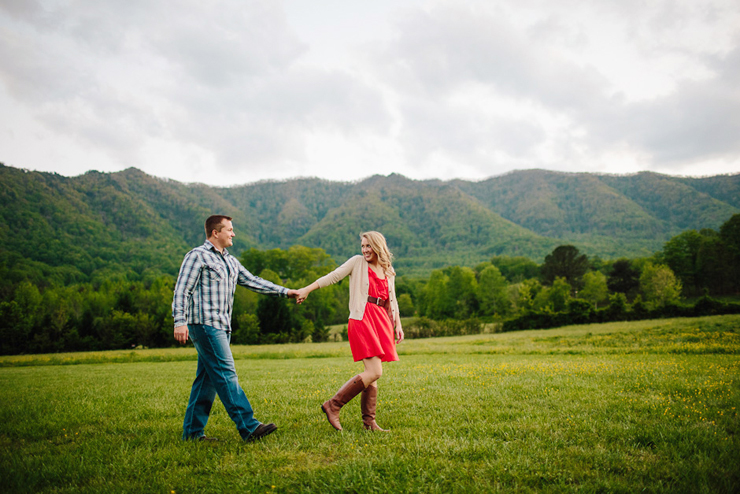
pixel 373 335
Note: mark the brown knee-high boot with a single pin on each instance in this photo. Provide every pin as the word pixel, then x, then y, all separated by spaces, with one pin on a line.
pixel 331 407
pixel 367 405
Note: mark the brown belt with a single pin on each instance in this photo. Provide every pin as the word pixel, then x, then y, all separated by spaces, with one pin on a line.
pixel 377 301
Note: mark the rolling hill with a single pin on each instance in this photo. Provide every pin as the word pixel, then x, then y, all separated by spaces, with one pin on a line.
pixel 99 224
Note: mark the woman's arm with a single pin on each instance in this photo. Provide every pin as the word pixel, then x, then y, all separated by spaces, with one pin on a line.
pixel 338 274
pixel 303 292
pixel 399 330
pixel 396 312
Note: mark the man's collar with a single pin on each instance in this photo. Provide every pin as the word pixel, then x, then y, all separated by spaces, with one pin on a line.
pixel 210 246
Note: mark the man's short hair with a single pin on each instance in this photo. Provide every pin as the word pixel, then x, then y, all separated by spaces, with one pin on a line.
pixel 215 222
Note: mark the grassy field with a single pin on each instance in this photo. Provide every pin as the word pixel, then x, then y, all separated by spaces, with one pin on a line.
pixel 624 407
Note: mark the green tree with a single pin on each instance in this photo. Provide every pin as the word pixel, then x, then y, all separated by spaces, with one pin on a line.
pixel 15 330
pixel 554 298
pixel 516 269
pixel 522 295
pixel 297 266
pixel 19 318
pixel 729 232
pixel 438 304
pixel 305 260
pixel 681 254
pixel 565 262
pixel 617 308
pixel 255 260
pixel 559 294
pixel 292 264
pixel 246 329
pixel 275 320
pixel 594 287
pixel 624 278
pixel 659 285
pixel 274 315
pixel 715 266
pixel 493 292
pixel 462 289
pixel 405 305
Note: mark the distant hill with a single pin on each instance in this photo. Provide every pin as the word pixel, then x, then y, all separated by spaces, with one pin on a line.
pixel 609 215
pixel 98 224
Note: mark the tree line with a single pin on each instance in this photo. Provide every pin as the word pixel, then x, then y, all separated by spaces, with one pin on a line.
pixel 570 288
pixel 127 310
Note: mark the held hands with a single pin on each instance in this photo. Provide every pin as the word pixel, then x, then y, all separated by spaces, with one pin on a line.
pixel 294 294
pixel 303 292
pixel 299 295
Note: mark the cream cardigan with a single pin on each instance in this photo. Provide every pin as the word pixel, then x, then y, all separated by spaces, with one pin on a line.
pixel 359 285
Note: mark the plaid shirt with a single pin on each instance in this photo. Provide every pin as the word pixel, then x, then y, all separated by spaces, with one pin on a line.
pixel 204 292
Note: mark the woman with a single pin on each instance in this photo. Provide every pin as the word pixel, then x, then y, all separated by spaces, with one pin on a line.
pixel 373 315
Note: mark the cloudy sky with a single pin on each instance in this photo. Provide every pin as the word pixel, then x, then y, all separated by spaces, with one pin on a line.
pixel 235 91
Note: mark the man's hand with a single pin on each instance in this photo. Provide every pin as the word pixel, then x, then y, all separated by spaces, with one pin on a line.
pixel 181 334
pixel 297 295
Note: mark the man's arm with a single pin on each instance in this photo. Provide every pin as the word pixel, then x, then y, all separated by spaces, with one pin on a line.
pixel 259 285
pixel 186 281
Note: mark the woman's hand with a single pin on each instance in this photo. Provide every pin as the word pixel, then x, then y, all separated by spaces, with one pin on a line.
pixel 296 294
pixel 302 293
pixel 399 333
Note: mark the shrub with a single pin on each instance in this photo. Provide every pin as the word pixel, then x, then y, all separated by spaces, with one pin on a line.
pixel 423 327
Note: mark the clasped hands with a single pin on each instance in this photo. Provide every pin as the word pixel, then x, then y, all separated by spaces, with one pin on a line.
pixel 299 295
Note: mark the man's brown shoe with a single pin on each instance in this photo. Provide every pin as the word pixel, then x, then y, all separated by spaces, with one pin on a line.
pixel 261 431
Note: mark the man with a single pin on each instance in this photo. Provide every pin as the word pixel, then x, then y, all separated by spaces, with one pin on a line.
pixel 201 307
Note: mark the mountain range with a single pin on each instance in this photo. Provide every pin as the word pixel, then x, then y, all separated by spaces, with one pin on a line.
pixel 100 222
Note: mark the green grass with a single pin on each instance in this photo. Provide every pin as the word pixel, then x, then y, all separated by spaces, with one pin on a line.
pixel 623 407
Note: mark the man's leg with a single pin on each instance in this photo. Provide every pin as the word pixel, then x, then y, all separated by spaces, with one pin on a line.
pixel 201 400
pixel 213 347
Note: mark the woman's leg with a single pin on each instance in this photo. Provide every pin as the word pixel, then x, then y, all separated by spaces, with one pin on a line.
pixel 349 390
pixel 353 387
pixel 368 403
pixel 373 370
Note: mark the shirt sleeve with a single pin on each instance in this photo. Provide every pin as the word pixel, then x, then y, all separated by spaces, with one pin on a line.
pixel 394 301
pixel 259 285
pixel 186 281
pixel 340 273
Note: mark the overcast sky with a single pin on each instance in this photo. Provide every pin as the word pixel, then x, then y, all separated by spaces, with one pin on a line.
pixel 230 92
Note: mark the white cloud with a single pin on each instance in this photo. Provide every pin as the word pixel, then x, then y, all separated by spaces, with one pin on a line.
pixel 240 90
pixel 130 78
pixel 699 120
pixel 569 89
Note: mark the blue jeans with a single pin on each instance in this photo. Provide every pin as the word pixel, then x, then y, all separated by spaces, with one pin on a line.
pixel 215 375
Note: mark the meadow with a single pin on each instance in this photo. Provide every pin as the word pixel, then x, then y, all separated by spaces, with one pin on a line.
pixel 622 407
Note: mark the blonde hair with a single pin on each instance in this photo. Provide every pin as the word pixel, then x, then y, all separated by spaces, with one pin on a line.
pixel 380 247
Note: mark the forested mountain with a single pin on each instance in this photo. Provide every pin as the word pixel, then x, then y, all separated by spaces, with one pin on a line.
pixel 67 229
pixel 609 215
